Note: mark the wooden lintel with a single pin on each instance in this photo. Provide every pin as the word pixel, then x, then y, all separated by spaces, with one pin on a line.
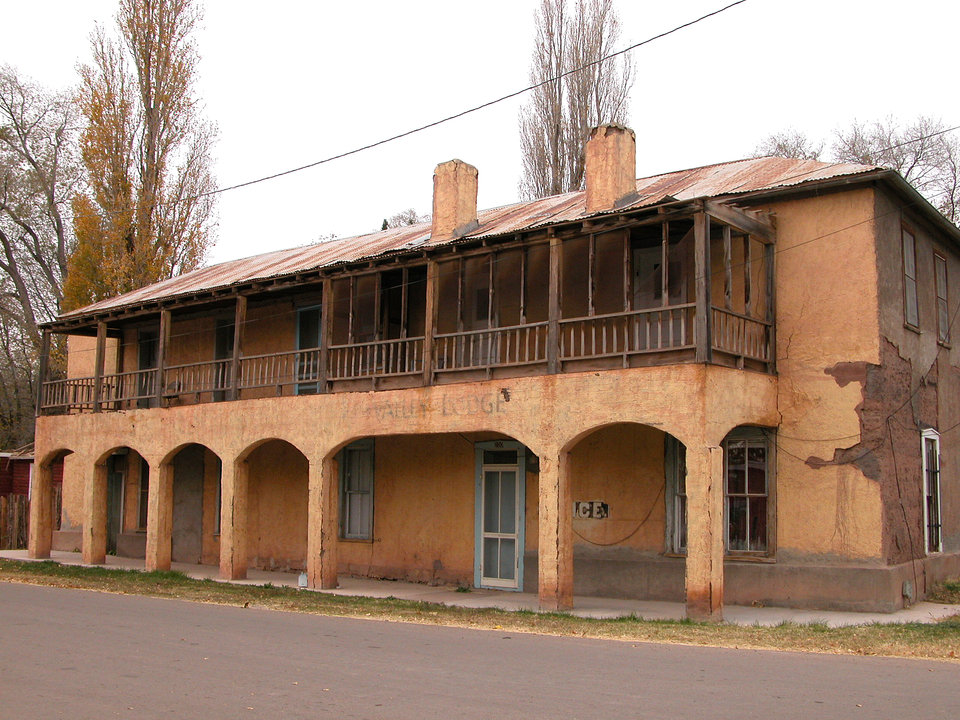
pixel 742 220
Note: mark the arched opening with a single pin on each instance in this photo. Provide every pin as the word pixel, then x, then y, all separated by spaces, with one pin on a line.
pixel 277 495
pixel 442 508
pixel 628 486
pixel 46 503
pixel 195 526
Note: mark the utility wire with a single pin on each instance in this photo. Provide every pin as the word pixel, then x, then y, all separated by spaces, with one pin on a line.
pixel 468 111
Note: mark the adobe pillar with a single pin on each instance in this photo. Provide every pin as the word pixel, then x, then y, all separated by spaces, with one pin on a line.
pixel 704 568
pixel 159 517
pixel 322 524
pixel 233 519
pixel 555 554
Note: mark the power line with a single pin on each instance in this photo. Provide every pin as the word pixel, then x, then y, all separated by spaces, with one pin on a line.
pixel 473 109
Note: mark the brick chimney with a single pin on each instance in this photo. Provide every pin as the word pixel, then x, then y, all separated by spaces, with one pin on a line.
pixel 611 173
pixel 454 199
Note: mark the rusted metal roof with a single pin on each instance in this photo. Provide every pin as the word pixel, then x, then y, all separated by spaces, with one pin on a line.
pixel 711 181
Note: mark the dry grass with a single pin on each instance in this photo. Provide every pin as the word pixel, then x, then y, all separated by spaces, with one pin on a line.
pixel 937 641
pixel 948 592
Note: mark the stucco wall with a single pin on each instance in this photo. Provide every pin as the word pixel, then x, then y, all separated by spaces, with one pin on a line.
pixel 826 280
pixel 277 507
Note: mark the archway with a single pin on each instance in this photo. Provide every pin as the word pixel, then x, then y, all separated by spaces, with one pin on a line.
pixel 46 504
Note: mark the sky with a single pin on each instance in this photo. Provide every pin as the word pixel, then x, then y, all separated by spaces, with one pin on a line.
pixel 302 81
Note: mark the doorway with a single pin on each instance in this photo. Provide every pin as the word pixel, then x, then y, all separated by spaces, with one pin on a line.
pixel 500 516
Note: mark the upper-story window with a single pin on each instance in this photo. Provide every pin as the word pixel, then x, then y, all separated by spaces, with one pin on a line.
pixel 911 309
pixel 943 315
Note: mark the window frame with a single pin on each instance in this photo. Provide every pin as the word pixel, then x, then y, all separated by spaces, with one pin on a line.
pixel 927 436
pixel 366 445
pixel 909 283
pixel 750 435
pixel 675 467
pixel 943 300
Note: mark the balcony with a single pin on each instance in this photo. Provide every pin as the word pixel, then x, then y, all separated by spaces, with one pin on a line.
pixel 613 298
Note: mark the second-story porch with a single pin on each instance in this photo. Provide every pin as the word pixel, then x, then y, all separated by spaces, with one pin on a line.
pixel 682 282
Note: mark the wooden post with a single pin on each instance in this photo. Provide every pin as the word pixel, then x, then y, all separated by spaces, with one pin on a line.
pixel 233 519
pixel 553 309
pixel 162 342
pixel 239 319
pixel 322 523
pixel 770 254
pixel 159 517
pixel 42 373
pixel 430 322
pixel 704 351
pixel 555 552
pixel 326 333
pixel 704 566
pixel 98 364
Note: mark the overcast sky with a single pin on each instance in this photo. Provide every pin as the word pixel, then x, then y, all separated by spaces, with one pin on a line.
pixel 290 82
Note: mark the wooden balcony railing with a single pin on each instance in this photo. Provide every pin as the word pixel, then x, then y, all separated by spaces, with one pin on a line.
pixel 741 336
pixel 381 358
pixel 496 347
pixel 627 333
pixel 579 340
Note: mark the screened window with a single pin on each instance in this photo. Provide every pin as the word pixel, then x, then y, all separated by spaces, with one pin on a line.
pixel 143 495
pixel 747 491
pixel 356 491
pixel 931 490
pixel 943 314
pixel 675 464
pixel 911 309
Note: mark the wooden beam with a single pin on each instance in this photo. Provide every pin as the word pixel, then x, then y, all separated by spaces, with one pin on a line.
pixel 430 321
pixel 42 372
pixel 98 364
pixel 742 220
pixel 326 333
pixel 727 268
pixel 163 342
pixel 769 255
pixel 553 307
pixel 701 224
pixel 239 320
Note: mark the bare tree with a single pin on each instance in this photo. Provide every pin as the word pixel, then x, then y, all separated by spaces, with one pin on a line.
pixel 404 218
pixel 789 144
pixel 38 175
pixel 555 124
pixel 147 213
pixel 921 151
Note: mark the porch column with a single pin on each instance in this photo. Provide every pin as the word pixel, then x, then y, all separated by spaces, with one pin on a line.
pixel 95 516
pixel 159 517
pixel 163 343
pixel 555 555
pixel 239 318
pixel 233 519
pixel 702 320
pixel 41 514
pixel 704 569
pixel 98 366
pixel 322 523
pixel 42 372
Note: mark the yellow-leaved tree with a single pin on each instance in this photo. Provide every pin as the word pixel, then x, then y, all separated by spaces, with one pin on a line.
pixel 146 212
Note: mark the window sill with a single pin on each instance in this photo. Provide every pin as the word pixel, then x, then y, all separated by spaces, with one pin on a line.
pixel 362 541
pixel 912 328
pixel 762 559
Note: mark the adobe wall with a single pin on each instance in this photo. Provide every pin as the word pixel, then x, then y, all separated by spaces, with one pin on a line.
pixel 929 377
pixel 828 508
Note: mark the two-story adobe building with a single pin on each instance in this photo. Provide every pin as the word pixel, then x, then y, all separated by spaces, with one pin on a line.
pixel 734 383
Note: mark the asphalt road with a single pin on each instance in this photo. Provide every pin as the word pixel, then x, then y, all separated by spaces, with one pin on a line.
pixel 79 654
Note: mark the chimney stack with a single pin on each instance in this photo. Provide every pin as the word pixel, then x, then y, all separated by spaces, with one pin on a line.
pixel 611 172
pixel 454 199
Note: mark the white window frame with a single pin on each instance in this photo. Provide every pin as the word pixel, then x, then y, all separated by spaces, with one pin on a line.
pixel 675 465
pixel 925 436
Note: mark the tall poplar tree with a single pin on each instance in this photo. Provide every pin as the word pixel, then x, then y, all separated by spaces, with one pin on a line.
pixel 145 215
pixel 556 122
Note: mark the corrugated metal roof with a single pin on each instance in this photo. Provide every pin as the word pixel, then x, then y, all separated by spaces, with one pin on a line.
pixel 732 178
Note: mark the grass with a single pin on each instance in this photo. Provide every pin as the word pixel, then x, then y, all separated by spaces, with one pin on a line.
pixel 948 592
pixel 936 641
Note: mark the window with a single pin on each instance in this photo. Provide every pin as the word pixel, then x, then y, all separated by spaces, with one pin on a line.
pixel 931 489
pixel 356 491
pixel 308 357
pixel 675 464
pixel 143 495
pixel 911 310
pixel 943 315
pixel 748 504
pixel 746 491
